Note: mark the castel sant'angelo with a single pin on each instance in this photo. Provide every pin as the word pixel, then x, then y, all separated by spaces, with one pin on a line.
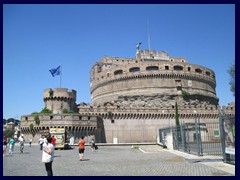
pixel 131 99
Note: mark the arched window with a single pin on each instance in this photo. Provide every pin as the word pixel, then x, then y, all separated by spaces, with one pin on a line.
pixel 207 73
pixel 152 68
pixel 178 68
pixel 118 72
pixel 134 69
pixel 198 70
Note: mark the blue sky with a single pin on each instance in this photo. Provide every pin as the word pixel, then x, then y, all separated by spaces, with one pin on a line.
pixel 37 38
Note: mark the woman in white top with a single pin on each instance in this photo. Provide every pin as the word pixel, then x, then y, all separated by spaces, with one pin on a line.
pixel 48 156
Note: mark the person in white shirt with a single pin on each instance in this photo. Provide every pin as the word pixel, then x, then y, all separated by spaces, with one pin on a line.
pixel 40 142
pixel 48 156
pixel 21 143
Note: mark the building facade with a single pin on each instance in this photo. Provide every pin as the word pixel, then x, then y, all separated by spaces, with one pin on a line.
pixel 132 98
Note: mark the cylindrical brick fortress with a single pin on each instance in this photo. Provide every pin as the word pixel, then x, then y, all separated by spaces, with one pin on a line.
pixel 147 81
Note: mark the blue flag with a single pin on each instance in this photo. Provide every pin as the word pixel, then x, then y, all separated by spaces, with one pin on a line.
pixel 56 71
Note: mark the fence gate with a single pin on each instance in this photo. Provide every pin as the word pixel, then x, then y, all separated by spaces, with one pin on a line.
pixel 227 124
pixel 198 138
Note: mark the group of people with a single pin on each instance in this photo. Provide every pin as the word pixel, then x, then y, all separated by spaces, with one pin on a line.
pixel 47 145
pixel 43 140
pixel 48 151
pixel 11 142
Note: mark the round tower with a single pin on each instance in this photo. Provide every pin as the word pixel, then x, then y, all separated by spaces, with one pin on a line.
pixel 152 79
pixel 58 99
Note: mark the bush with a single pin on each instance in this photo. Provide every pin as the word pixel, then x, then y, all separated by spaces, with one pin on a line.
pixel 46 111
pixel 66 111
pixel 35 112
pixel 8 133
pixel 185 93
pixel 36 119
pixel 31 127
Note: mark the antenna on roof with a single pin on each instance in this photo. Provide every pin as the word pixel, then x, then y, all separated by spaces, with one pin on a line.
pixel 148 36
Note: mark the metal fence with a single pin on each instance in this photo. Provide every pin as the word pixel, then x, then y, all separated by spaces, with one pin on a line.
pixel 195 138
pixel 227 125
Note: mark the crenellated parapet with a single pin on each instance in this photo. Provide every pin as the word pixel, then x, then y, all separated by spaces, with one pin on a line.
pixel 229 110
pixel 154 112
pixel 73 123
pixel 113 78
pixel 58 99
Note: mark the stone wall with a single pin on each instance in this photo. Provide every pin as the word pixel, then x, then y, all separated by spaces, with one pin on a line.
pixel 114 78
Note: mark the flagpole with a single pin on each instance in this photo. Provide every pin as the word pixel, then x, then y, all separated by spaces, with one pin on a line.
pixel 61 76
pixel 148 36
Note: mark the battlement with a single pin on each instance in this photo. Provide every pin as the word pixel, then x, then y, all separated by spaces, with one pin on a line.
pixel 113 77
pixel 60 93
pixel 58 99
pixel 158 55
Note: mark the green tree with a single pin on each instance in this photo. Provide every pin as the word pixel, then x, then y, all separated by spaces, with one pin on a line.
pixel 31 127
pixel 36 119
pixel 35 113
pixel 8 132
pixel 231 72
pixel 46 111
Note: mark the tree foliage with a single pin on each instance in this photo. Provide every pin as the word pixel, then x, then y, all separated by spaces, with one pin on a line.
pixel 231 72
pixel 46 111
pixel 36 119
pixel 67 111
pixel 35 112
pixel 8 133
pixel 31 127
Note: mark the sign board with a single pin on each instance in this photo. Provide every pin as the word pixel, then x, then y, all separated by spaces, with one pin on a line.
pixel 115 140
pixel 57 130
pixel 230 150
pixel 59 134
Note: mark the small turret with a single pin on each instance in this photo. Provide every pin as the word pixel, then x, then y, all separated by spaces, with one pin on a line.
pixel 58 99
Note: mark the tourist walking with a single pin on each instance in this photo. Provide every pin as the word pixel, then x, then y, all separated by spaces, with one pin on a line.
pixel 81 145
pixel 40 142
pixel 53 141
pixel 21 143
pixel 92 142
pixel 48 156
pixel 5 142
pixel 30 142
pixel 11 145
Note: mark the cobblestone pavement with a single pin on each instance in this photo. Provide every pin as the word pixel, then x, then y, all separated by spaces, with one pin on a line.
pixel 106 161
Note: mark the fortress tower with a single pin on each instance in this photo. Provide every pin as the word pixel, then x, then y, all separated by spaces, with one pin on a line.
pixel 152 79
pixel 60 98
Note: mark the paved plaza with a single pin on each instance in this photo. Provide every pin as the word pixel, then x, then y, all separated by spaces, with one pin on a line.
pixel 150 160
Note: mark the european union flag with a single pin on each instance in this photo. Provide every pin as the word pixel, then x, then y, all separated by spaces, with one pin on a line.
pixel 56 71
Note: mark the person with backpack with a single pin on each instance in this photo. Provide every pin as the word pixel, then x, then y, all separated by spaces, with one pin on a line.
pixel 11 145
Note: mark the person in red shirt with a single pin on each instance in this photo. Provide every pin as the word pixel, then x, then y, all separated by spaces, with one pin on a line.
pixel 81 145
pixel 53 141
